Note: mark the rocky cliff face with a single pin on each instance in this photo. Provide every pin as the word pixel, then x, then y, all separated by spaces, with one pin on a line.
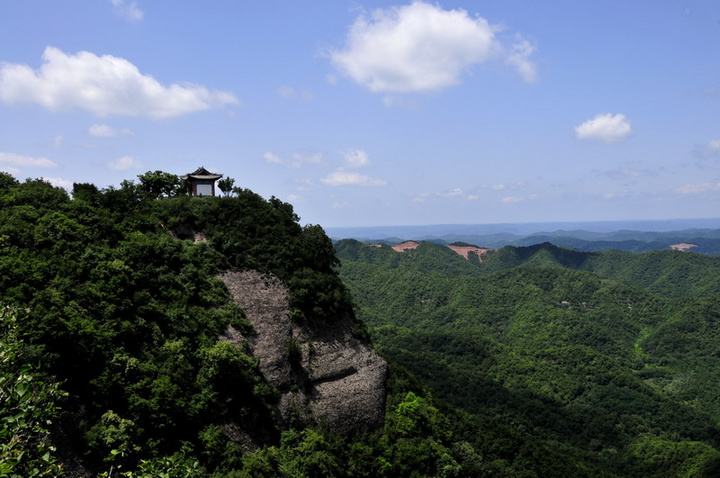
pixel 324 373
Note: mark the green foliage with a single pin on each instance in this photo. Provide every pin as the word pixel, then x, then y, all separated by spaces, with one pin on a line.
pixel 178 465
pixel 553 362
pixel 549 349
pixel 656 457
pixel 128 317
pixel 158 184
pixel 6 180
pixel 29 406
pixel 226 185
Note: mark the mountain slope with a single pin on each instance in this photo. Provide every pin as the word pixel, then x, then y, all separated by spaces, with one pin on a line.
pixel 582 347
pixel 144 333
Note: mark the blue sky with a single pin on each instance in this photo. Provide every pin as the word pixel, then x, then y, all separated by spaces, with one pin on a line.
pixel 377 113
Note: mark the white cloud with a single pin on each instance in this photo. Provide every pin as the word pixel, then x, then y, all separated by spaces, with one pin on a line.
pixel 519 57
pixel 348 178
pixel 58 140
pixel 19 160
pixel 101 131
pixel 129 10
pixel 294 197
pixel 421 47
pixel 272 158
pixel 604 127
pixel 296 160
pixel 60 183
pixel 9 170
pixel 356 158
pixel 698 188
pixel 124 163
pixel 104 85
pixel 105 131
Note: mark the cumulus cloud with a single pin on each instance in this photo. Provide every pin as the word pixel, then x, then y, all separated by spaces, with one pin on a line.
pixel 605 127
pixel 103 85
pixel 348 178
pixel 422 47
pixel 356 158
pixel 124 163
pixel 15 161
pixel 129 10
pixel 295 160
pixel 105 131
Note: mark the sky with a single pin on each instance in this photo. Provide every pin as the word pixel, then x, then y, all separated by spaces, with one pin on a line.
pixel 365 113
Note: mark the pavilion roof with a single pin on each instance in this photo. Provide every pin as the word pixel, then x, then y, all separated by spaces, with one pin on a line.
pixel 202 173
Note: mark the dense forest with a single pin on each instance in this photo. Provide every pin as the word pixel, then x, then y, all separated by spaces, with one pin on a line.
pixel 111 359
pixel 535 362
pixel 610 357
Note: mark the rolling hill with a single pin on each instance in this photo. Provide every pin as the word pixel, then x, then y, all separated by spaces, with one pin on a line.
pixel 613 354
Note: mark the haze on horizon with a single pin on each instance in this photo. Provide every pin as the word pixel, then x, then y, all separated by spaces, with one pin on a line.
pixel 375 112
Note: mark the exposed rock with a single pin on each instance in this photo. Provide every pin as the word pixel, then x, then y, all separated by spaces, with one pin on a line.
pixel 335 379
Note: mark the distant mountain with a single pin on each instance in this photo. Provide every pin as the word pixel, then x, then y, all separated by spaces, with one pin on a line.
pixel 453 232
pixel 702 241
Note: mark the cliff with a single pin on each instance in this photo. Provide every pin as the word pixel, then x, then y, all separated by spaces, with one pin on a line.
pixel 324 373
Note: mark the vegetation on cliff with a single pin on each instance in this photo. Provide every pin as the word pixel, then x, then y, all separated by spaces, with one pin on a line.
pixel 112 363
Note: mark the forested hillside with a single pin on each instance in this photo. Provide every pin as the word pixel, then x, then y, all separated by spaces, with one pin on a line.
pixel 115 361
pixel 613 356
pixel 534 362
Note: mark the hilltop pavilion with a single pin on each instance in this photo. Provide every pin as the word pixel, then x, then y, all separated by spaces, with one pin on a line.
pixel 201 182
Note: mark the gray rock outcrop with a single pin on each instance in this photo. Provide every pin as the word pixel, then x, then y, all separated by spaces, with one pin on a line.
pixel 324 373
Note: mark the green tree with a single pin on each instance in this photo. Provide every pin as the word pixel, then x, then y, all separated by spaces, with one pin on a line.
pixel 6 180
pixel 226 185
pixel 28 407
pixel 161 184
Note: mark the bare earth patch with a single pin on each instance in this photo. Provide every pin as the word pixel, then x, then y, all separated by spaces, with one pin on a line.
pixel 405 246
pixel 465 250
pixel 683 246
